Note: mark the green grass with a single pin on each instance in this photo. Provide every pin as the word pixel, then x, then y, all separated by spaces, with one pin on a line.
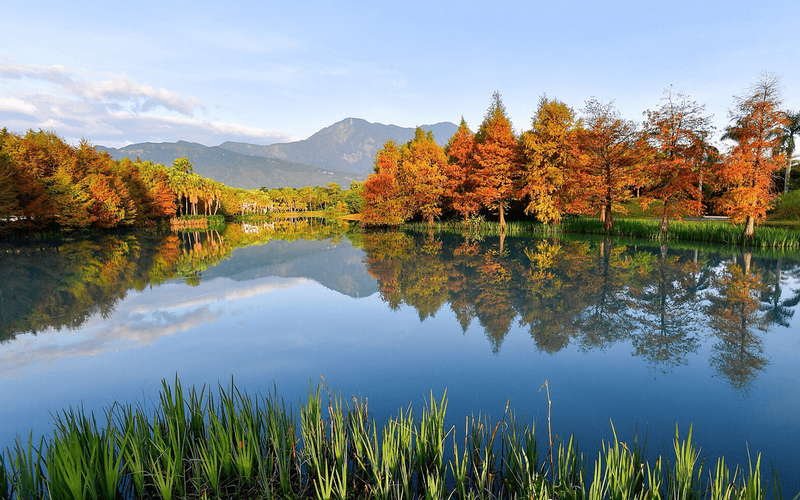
pixel 718 232
pixel 787 208
pixel 700 231
pixel 227 444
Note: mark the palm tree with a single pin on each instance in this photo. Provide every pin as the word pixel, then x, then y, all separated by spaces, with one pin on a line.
pixel 789 130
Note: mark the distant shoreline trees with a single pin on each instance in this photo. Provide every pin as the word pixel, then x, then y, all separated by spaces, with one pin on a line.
pixel 592 164
pixel 45 182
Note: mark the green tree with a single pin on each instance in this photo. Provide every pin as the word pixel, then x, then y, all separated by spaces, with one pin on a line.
pixel 790 129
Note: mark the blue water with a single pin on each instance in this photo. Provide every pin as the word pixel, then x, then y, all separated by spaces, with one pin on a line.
pixel 283 315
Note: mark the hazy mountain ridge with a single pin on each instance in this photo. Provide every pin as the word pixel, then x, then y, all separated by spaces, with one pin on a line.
pixel 349 145
pixel 341 153
pixel 232 168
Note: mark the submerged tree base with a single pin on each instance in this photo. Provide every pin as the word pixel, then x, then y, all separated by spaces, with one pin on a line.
pixel 196 444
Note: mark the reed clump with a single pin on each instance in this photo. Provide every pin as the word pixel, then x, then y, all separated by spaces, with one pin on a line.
pixel 197 444
pixel 701 231
pixel 722 232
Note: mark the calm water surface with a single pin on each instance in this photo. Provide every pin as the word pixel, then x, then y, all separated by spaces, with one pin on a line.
pixel 645 336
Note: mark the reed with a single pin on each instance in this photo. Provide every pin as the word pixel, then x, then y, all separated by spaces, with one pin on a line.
pixel 701 231
pixel 720 232
pixel 230 445
pixel 684 477
pixel 5 481
pixel 27 469
pixel 522 473
pixel 280 467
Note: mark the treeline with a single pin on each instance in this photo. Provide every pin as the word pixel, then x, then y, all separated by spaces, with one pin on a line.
pixel 592 164
pixel 45 182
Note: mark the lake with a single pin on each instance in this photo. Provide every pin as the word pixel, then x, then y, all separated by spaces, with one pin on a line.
pixel 645 336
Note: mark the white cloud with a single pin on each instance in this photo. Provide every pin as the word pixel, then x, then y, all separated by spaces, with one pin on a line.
pixel 111 110
pixel 15 105
pixel 141 319
pixel 121 90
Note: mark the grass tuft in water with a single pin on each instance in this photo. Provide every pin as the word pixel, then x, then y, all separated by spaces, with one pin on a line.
pixel 230 445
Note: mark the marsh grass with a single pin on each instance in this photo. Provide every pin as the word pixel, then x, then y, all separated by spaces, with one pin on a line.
pixel 719 232
pixel 227 444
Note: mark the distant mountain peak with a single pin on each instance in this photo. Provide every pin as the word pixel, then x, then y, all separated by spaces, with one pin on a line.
pixel 348 145
pixel 341 152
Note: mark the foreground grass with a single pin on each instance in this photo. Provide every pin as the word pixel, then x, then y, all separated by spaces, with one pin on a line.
pixel 199 444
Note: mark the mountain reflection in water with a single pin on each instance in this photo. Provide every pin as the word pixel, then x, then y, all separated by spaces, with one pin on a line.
pixel 665 302
pixel 642 334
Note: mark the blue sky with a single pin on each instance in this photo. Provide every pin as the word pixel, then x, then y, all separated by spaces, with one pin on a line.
pixel 117 73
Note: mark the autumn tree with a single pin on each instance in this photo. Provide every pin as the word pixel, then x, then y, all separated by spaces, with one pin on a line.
pixel 748 170
pixel 420 172
pixel 611 151
pixel 677 131
pixel 459 172
pixel 8 191
pixel 384 203
pixel 548 160
pixel 496 160
pixel 737 321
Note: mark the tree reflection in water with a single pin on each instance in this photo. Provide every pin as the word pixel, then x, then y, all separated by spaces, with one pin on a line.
pixel 594 294
pixel 60 284
pixel 589 293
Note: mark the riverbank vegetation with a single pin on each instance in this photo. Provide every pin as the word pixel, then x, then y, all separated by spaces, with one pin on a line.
pixel 228 444
pixel 46 184
pixel 593 164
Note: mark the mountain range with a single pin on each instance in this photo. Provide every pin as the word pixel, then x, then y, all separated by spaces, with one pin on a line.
pixel 341 153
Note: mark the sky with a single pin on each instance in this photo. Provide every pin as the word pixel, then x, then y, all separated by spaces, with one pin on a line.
pixel 116 73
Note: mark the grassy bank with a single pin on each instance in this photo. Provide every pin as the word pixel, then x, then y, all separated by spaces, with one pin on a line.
pixel 721 232
pixel 227 444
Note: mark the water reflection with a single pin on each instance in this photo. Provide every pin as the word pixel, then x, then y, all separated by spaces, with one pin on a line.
pixel 595 293
pixel 591 293
pixel 61 284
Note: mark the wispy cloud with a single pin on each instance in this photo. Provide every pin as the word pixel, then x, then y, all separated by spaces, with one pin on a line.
pixel 112 110
pixel 139 320
pixel 15 105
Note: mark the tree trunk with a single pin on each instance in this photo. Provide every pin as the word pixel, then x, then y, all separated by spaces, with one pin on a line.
pixel 603 213
pixel 502 220
pixel 664 220
pixel 608 223
pixel 749 227
pixel 788 174
pixel 700 192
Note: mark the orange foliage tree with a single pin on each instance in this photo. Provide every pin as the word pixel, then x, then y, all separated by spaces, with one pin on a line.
pixel 678 134
pixel 384 203
pixel 421 167
pixel 748 171
pixel 549 159
pixel 496 160
pixel 460 172
pixel 611 150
